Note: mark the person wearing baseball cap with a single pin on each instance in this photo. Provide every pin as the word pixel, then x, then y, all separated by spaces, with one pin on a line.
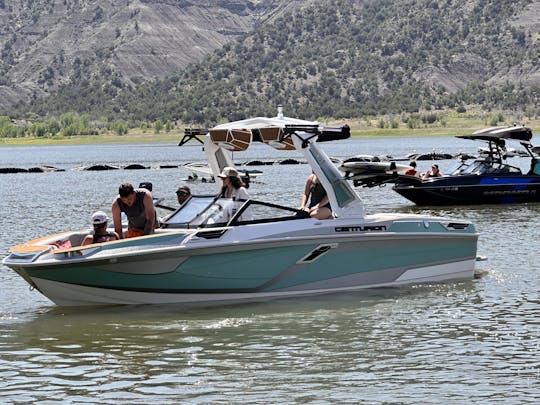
pixel 182 194
pixel 233 186
pixel 434 172
pixel 100 234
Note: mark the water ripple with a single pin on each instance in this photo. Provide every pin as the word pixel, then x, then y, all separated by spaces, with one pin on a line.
pixel 458 343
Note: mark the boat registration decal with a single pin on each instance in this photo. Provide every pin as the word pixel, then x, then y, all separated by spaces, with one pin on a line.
pixel 510 192
pixel 361 228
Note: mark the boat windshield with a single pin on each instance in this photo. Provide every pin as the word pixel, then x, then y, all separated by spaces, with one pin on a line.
pixel 195 211
pixel 212 211
pixel 477 167
pixel 457 169
pixel 481 167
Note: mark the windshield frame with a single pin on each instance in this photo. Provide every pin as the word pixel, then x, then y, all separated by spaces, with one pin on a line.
pixel 198 204
pixel 234 212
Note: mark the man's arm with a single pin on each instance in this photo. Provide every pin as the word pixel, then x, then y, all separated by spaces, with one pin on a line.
pixel 305 196
pixel 150 212
pixel 117 218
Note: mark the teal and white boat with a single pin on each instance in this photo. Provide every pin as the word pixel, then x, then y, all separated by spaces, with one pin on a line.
pixel 214 250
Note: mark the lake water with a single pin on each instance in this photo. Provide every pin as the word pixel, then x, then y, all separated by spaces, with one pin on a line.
pixel 469 342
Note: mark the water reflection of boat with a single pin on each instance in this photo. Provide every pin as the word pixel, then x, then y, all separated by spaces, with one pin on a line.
pixel 214 250
pixel 486 180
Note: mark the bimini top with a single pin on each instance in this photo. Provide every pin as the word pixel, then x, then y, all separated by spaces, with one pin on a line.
pixel 264 122
pixel 499 134
pixel 238 135
pixel 285 133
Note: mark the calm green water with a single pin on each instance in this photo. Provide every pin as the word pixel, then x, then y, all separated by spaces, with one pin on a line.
pixel 476 341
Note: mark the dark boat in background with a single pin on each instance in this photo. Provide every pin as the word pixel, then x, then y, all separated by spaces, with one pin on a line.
pixel 486 180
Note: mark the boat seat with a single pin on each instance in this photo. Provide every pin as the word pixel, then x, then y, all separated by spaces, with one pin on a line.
pixel 74 239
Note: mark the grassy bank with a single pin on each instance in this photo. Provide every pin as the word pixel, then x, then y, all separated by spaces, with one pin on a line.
pixel 452 125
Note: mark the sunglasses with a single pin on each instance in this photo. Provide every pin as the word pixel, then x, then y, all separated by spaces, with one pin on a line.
pixel 181 193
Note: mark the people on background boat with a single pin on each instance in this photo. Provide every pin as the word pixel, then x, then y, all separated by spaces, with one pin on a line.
pixel 100 234
pixel 412 171
pixel 434 172
pixel 319 205
pixel 393 168
pixel 138 206
pixel 535 167
pixel 182 194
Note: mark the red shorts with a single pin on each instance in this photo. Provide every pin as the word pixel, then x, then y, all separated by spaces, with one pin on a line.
pixel 134 232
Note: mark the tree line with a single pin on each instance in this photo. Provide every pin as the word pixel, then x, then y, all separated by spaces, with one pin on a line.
pixel 73 124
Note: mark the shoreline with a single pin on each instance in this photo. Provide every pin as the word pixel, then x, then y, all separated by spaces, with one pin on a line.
pixel 466 127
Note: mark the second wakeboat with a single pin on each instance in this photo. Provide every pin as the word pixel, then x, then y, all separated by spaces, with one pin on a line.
pixel 486 180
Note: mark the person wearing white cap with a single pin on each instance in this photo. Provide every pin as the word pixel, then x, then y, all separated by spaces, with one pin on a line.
pixel 234 187
pixel 100 234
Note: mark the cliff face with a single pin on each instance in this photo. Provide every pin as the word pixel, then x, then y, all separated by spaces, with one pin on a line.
pixel 338 57
pixel 44 42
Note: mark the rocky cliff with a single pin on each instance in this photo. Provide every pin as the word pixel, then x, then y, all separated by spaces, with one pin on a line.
pixel 45 42
pixel 150 59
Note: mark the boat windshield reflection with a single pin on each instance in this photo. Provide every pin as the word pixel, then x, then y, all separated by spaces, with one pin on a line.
pixel 457 168
pixel 199 211
pixel 477 167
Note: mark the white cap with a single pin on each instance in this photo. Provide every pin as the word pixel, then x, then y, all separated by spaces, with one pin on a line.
pixel 228 172
pixel 99 217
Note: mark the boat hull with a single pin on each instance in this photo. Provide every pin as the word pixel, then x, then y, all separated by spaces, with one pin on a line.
pixel 64 294
pixel 473 190
pixel 258 271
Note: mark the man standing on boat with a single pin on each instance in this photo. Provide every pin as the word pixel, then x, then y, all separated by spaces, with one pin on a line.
pixel 138 206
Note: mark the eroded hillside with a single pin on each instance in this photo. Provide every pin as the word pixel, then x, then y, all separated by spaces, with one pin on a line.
pixel 45 43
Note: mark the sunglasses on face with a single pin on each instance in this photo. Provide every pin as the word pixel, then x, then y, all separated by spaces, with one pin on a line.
pixel 182 193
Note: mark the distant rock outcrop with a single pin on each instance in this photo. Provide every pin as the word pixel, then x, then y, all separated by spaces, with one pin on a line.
pixel 43 43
